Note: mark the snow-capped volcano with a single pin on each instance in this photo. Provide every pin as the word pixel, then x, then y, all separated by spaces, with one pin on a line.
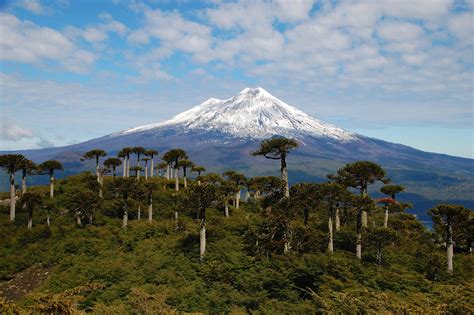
pixel 252 113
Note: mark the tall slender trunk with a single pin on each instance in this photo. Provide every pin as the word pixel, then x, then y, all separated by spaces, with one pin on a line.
pixel 246 195
pixel 125 217
pixel 237 199
pixel 184 178
pixel 364 213
pixel 385 221
pixel 23 183
pixel 379 253
pixel 176 219
pixel 30 220
pixel 226 207
pixel 138 174
pixel 101 181
pixel 287 239
pixel 168 171
pixel 338 221
pixel 176 177
pixel 152 168
pixel 150 209
pixel 48 220
pixel 12 197
pixel 284 175
pixel 128 166
pixel 51 186
pixel 359 234
pixel 97 174
pixel 139 213
pixel 124 166
pixel 146 171
pixel 78 219
pixel 199 182
pixel 449 246
pixel 331 244
pixel 202 238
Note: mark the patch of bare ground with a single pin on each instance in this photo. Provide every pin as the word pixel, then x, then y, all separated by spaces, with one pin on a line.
pixel 24 282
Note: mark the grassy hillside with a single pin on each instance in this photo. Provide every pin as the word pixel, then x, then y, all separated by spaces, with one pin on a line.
pixel 154 267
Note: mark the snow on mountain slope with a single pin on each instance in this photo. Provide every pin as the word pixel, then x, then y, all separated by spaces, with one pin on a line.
pixel 252 113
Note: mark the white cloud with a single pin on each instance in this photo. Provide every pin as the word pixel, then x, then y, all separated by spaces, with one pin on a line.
pixel 33 6
pixel 24 41
pixel 400 31
pixel 12 131
pixel 462 26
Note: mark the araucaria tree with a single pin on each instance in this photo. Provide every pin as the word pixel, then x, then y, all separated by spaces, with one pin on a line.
pixel 12 163
pixel 199 170
pixel 49 167
pixel 150 187
pixel 112 164
pixel 30 202
pixel 202 197
pixel 185 164
pixel 239 180
pixel 448 218
pixel 125 154
pixel 95 154
pixel 146 159
pixel 390 190
pixel 151 154
pixel 360 175
pixel 27 168
pixel 173 157
pixel 278 149
pixel 139 151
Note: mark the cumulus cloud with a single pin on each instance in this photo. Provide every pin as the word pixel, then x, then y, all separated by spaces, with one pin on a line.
pixel 12 131
pixel 33 6
pixel 24 41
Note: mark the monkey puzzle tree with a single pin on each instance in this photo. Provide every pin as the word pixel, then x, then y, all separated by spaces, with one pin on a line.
pixel 446 218
pixel 185 164
pixel 151 154
pixel 239 180
pixel 360 203
pixel 277 149
pixel 49 167
pixel 112 164
pixel 27 167
pixel 30 202
pixel 137 169
pixel 150 188
pixel 226 189
pixel 95 154
pixel 379 238
pixel 161 166
pixel 146 159
pixel 202 197
pixel 359 175
pixel 124 187
pixel 12 163
pixel 390 190
pixel 138 151
pixel 173 157
pixel 125 153
pixel 199 170
pixel 82 202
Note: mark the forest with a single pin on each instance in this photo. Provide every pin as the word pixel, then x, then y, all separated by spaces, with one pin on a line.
pixel 147 232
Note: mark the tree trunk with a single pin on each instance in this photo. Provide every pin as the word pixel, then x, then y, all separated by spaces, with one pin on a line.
pixel 97 171
pixel 246 195
pixel 385 221
pixel 330 245
pixel 23 183
pixel 449 246
pixel 139 213
pixel 202 239
pixel 176 182
pixel 146 171
pixel 226 208
pixel 48 220
pixel 199 182
pixel 124 167
pixel 30 221
pixel 101 194
pixel 51 186
pixel 359 234
pixel 90 218
pixel 138 174
pixel 364 219
pixel 338 221
pixel 379 253
pixel 152 168
pixel 128 166
pixel 12 197
pixel 78 218
pixel 176 218
pixel 237 199
pixel 125 217
pixel 284 176
pixel 150 210
pixel 185 182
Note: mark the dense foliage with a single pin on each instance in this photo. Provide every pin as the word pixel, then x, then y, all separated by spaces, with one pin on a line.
pixel 268 254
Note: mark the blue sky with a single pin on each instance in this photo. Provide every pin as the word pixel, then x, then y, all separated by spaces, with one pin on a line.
pixel 401 70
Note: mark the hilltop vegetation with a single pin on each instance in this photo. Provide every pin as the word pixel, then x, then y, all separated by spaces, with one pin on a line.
pixel 135 245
